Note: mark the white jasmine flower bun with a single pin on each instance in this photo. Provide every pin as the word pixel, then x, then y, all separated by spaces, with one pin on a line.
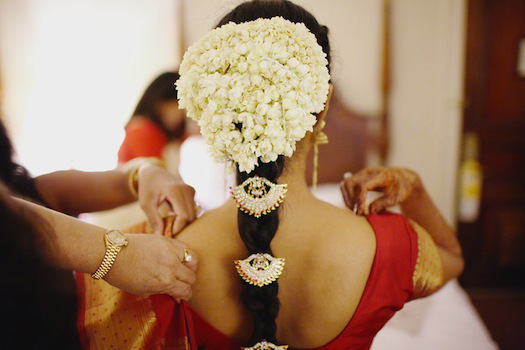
pixel 254 89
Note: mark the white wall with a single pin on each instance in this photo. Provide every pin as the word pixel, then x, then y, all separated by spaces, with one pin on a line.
pixel 427 92
pixel 72 72
pixel 64 63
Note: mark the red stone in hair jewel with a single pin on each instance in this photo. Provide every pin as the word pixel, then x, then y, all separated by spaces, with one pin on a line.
pixel 260 269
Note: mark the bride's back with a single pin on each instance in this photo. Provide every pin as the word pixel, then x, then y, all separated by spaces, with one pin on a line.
pixel 259 87
pixel 329 253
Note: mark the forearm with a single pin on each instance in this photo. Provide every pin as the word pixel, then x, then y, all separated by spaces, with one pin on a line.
pixel 420 208
pixel 150 264
pixel 74 192
pixel 66 242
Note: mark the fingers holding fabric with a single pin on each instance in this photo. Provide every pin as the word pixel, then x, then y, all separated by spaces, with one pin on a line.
pixel 157 187
pixel 357 187
pixel 180 291
pixel 150 206
pixel 153 264
pixel 183 205
pixel 396 184
pixel 382 203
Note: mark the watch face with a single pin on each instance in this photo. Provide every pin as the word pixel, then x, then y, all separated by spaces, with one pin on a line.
pixel 117 238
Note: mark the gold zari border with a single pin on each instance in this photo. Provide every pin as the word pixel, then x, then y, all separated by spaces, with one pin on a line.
pixel 428 272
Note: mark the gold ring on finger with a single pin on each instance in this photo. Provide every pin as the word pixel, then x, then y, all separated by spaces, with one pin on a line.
pixel 187 256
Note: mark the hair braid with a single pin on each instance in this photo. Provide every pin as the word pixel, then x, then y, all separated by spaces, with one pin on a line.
pixel 257 234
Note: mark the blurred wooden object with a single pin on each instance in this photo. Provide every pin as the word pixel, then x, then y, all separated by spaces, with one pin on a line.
pixel 385 86
pixel 494 244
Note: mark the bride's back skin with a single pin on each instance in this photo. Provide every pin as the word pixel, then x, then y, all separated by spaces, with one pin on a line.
pixel 329 254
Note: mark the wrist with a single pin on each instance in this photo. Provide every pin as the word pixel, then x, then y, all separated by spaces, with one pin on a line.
pixel 123 262
pixel 415 200
pixel 115 241
pixel 418 192
pixel 135 172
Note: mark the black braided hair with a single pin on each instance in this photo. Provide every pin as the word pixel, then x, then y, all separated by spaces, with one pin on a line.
pixel 257 233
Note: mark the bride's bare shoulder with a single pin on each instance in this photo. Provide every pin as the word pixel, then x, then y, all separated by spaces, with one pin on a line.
pixel 340 232
pixel 221 219
pixel 338 220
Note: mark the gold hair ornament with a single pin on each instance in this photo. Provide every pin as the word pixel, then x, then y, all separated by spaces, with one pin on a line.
pixel 320 139
pixel 260 269
pixel 264 345
pixel 258 196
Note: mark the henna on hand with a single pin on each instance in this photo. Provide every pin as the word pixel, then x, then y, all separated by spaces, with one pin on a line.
pixel 396 184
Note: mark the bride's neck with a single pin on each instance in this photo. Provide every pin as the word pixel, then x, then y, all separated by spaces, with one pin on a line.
pixel 294 175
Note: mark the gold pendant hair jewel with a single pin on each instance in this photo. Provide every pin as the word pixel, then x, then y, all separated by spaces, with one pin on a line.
pixel 320 139
pixel 264 345
pixel 258 196
pixel 260 269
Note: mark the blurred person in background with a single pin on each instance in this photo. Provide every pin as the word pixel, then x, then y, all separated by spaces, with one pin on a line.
pixel 157 126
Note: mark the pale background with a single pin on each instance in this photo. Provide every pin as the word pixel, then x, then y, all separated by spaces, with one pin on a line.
pixel 72 72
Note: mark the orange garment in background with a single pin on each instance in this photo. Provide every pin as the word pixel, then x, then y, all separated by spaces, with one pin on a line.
pixel 143 138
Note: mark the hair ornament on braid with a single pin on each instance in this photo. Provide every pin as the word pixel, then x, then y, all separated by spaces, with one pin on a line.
pixel 264 345
pixel 258 196
pixel 260 269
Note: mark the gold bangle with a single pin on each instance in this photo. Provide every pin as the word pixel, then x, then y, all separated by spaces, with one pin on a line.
pixel 133 182
pixel 133 178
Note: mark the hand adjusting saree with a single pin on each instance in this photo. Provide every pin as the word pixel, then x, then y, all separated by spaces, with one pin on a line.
pixel 406 265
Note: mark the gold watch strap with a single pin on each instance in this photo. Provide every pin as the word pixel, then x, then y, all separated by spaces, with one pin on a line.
pixel 107 262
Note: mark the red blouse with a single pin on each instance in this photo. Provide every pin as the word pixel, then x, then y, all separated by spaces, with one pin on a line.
pixel 111 318
pixel 388 288
pixel 143 138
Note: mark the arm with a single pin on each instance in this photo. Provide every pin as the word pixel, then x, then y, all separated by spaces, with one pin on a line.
pixel 150 264
pixel 73 192
pixel 420 208
pixel 404 187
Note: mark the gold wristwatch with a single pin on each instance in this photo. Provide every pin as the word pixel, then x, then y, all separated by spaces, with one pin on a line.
pixel 115 241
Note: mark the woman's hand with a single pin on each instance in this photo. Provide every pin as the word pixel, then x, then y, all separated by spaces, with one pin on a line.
pixel 397 185
pixel 157 186
pixel 152 264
